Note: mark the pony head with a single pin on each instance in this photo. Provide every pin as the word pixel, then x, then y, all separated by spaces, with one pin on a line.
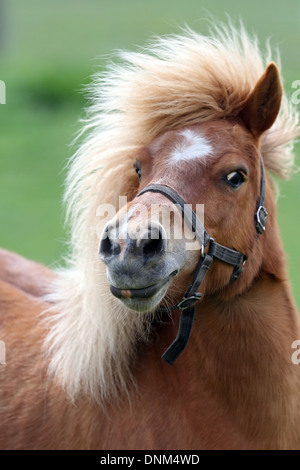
pixel 216 164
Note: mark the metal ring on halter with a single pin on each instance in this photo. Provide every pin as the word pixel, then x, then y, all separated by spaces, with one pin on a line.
pixel 261 217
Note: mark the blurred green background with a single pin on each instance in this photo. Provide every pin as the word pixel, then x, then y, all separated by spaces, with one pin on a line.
pixel 48 51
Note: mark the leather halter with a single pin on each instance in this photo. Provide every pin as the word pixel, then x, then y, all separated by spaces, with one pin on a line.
pixel 232 257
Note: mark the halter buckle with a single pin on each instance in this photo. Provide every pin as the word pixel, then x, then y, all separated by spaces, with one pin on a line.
pixel 237 270
pixel 188 302
pixel 261 218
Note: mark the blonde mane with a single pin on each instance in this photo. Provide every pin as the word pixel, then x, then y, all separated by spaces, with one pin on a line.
pixel 177 81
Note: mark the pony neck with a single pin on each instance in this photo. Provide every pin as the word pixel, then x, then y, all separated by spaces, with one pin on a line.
pixel 239 354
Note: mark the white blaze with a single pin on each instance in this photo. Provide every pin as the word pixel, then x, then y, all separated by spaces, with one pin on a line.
pixel 193 146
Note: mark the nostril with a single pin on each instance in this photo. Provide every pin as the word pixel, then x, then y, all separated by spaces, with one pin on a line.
pixel 105 246
pixel 108 247
pixel 155 245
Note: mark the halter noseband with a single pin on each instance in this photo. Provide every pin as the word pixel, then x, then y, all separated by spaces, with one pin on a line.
pixel 215 250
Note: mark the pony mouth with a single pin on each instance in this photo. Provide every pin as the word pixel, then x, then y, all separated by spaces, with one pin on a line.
pixel 142 293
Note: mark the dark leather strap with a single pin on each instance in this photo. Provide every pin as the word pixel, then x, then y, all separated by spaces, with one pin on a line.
pixel 261 213
pixel 191 296
pixel 229 256
pixel 184 332
pixel 188 312
pixel 201 270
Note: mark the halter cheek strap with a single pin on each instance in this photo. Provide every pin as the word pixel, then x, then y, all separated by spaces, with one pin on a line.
pixel 229 256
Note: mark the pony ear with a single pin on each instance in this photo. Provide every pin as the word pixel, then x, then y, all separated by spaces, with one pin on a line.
pixel 262 106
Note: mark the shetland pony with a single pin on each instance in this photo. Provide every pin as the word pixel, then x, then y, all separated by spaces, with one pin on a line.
pixel 83 367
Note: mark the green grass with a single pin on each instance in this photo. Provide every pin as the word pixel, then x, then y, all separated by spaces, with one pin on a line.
pixel 48 50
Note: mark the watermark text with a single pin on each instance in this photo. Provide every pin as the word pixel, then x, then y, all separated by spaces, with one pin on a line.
pixel 2 353
pixel 296 94
pixel 296 355
pixel 141 222
pixel 2 92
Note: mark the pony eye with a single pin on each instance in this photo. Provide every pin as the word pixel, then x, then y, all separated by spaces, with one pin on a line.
pixel 235 179
pixel 138 170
